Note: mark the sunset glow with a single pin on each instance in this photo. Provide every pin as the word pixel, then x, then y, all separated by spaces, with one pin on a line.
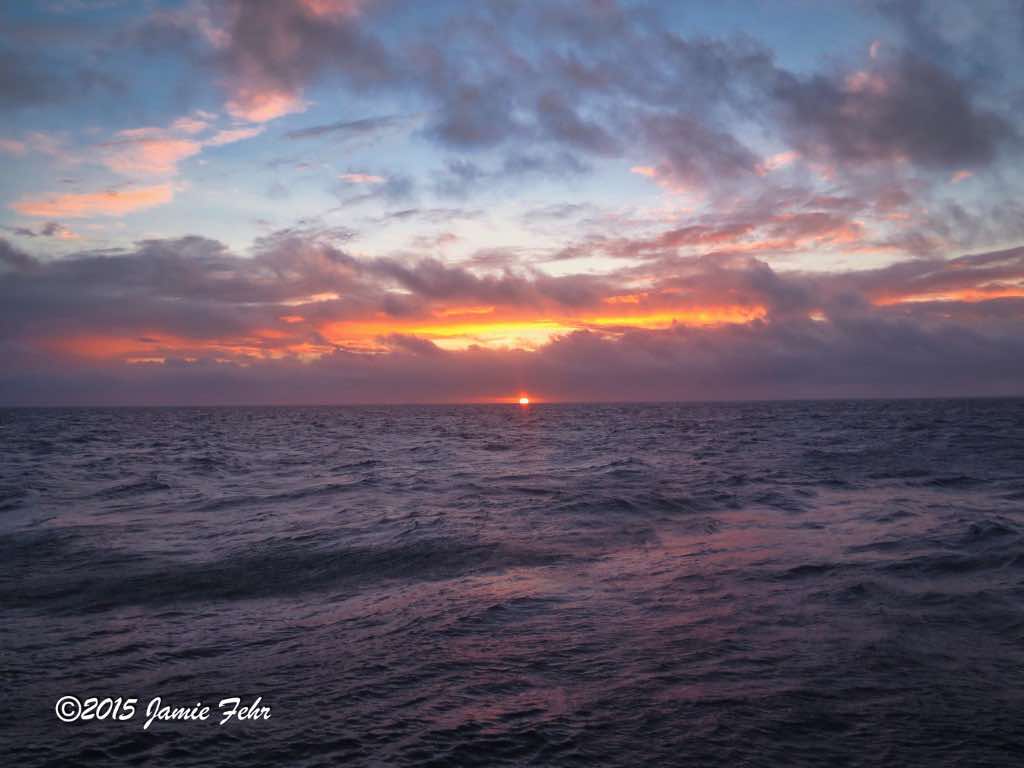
pixel 418 220
pixel 512 382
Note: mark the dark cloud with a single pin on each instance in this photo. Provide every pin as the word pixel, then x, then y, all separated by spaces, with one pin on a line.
pixel 25 82
pixel 346 129
pixel 561 122
pixel 267 51
pixel 46 229
pixel 20 231
pixel 695 153
pixel 461 178
pixel 431 215
pixel 910 109
pixel 849 357
pixel 395 188
pixel 871 146
pixel 553 85
pixel 890 331
pixel 13 259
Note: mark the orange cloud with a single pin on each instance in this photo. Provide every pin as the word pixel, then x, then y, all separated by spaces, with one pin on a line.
pixel 158 347
pixel 968 295
pixel 112 202
pixel 458 329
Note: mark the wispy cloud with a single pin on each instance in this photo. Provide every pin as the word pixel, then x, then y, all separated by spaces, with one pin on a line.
pixel 362 178
pixel 114 202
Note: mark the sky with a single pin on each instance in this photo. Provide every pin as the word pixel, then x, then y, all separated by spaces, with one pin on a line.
pixel 374 201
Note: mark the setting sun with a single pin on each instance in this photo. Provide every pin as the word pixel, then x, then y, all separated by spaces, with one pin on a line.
pixel 524 400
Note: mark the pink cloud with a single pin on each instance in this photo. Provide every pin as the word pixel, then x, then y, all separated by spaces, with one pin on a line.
pixel 776 161
pixel 148 152
pixel 192 124
pixel 154 151
pixel 866 82
pixel 231 135
pixel 107 203
pixel 332 7
pixel 663 178
pixel 13 147
pixel 261 106
pixel 361 178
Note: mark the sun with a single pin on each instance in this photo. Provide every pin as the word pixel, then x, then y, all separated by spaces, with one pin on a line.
pixel 524 400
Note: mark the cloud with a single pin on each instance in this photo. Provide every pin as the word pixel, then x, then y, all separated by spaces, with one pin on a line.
pixel 192 124
pixel 718 283
pixel 777 161
pixel 695 154
pixel 31 77
pixel 262 106
pixel 13 147
pixel 362 178
pixel 46 229
pixel 154 151
pixel 111 202
pixel 904 109
pixel 346 129
pixel 25 82
pixel 13 259
pixel 265 54
pixel 396 187
pixel 231 135
pixel 147 152
pixel 300 311
pixel 856 357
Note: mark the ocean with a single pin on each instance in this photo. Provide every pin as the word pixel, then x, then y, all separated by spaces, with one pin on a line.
pixel 723 584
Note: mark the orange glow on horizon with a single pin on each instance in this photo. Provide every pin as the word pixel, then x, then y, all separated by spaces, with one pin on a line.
pixel 455 329
pixel 969 295
pixel 157 347
pixel 518 332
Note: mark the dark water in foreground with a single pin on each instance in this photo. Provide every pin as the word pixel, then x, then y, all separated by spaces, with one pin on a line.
pixel 710 585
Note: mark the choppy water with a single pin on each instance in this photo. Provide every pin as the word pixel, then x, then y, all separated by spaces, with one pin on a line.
pixel 834 583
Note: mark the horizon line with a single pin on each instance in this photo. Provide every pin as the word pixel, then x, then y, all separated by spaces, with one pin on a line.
pixel 513 403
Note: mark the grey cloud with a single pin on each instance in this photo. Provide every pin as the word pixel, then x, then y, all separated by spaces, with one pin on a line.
pixel 914 110
pixel 851 357
pixel 346 129
pixel 13 259
pixel 196 288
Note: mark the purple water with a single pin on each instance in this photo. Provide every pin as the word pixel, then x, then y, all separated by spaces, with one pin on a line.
pixel 823 583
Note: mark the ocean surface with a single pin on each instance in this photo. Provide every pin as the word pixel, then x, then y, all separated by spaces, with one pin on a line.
pixel 753 584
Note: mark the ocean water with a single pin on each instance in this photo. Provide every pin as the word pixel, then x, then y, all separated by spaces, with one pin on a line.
pixel 815 583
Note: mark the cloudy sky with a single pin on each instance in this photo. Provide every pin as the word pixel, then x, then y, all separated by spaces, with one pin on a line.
pixel 328 201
